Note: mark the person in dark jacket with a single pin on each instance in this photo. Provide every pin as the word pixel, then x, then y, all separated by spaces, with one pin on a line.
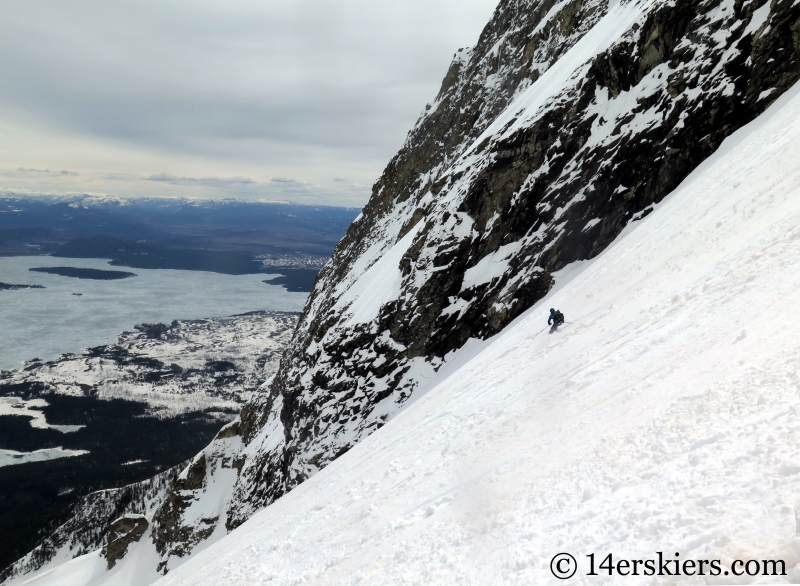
pixel 556 318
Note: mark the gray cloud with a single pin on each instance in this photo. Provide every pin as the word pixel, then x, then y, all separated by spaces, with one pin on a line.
pixel 308 89
pixel 47 172
pixel 210 181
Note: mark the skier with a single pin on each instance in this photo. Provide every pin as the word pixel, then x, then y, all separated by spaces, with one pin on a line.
pixel 556 318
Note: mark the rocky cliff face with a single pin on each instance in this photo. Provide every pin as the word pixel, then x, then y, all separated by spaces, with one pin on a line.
pixel 566 122
pixel 122 533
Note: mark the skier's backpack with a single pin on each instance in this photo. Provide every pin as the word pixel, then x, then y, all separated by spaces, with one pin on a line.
pixel 558 317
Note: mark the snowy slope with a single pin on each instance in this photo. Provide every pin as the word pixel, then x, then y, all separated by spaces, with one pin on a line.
pixel 663 417
pixel 568 121
pixel 207 367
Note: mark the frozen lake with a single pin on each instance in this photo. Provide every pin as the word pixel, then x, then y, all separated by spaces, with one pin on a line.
pixel 43 323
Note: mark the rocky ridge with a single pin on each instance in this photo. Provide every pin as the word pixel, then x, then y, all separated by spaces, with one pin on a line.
pixel 87 526
pixel 566 122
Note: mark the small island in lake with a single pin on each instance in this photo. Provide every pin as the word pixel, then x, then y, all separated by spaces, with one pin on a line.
pixel 96 274
pixel 294 280
pixel 9 287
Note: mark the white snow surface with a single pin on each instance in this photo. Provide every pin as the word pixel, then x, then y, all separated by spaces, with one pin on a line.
pixel 32 410
pixel 662 417
pixel 379 284
pixel 620 18
pixel 11 457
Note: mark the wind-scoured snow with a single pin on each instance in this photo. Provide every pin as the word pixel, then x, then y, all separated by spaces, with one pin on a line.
pixel 662 417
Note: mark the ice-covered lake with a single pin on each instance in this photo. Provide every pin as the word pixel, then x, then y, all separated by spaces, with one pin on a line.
pixel 42 323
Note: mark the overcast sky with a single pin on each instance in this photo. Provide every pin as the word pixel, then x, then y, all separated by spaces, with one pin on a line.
pixel 302 100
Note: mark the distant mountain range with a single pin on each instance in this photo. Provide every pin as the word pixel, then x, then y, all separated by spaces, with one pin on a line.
pixel 227 236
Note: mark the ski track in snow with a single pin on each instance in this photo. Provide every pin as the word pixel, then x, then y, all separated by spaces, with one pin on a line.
pixel 662 417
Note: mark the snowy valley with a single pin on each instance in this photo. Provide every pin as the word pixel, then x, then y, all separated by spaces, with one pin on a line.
pixel 632 163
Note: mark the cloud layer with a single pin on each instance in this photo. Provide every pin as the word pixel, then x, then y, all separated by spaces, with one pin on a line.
pixel 215 97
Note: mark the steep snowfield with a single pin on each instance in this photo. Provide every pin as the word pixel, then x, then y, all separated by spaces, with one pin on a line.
pixel 539 151
pixel 662 417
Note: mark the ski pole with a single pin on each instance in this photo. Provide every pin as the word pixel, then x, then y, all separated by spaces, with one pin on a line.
pixel 543 329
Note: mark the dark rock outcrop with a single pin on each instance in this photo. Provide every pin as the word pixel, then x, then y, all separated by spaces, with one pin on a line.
pixel 180 498
pixel 121 534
